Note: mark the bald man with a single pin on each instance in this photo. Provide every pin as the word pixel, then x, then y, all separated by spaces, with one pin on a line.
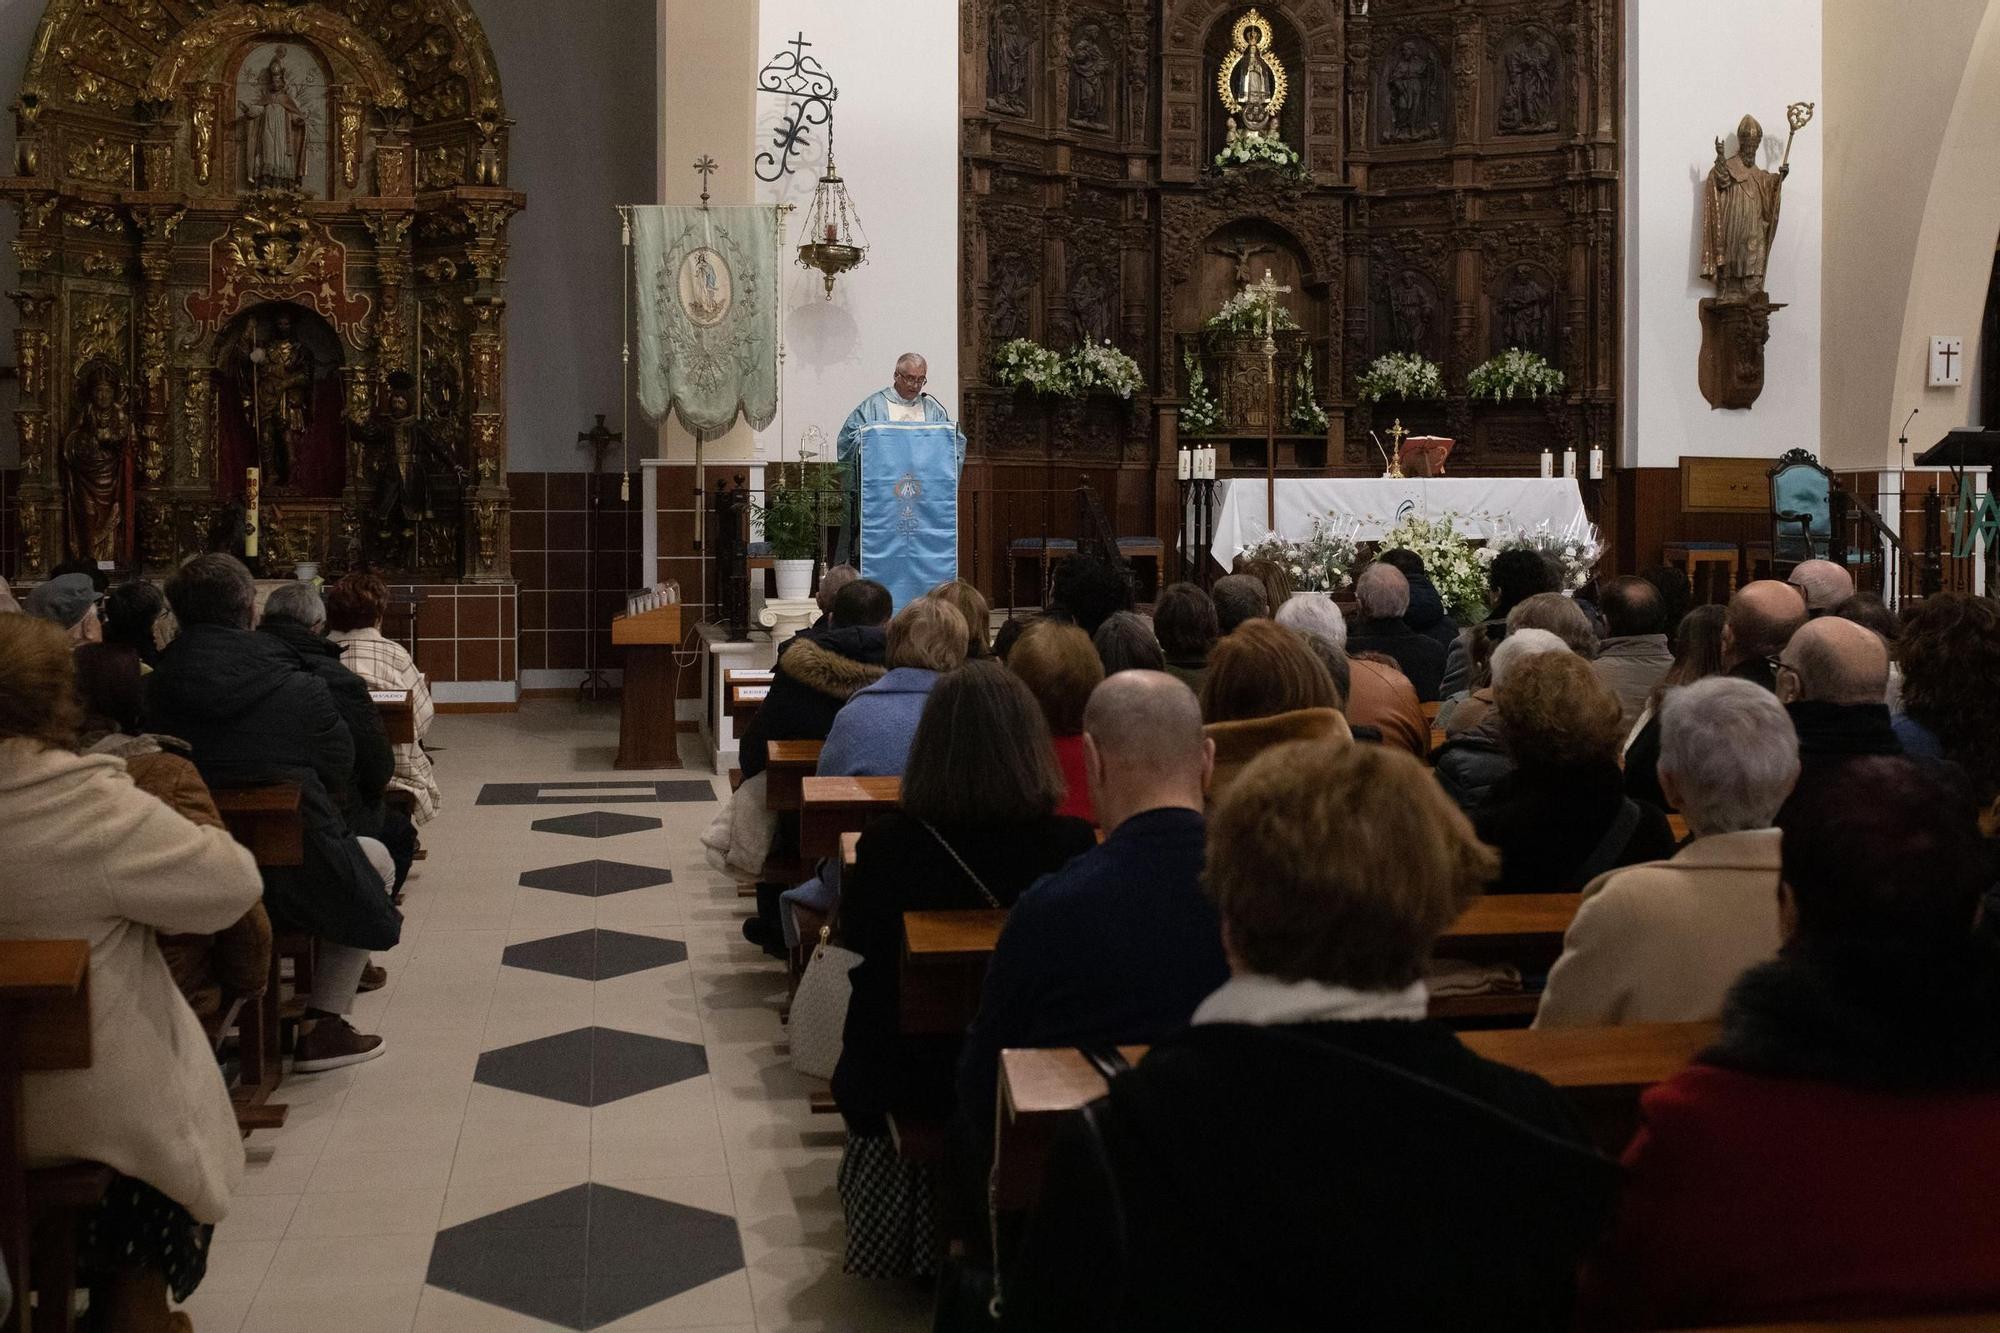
pixel 906 399
pixel 1823 584
pixel 1760 620
pixel 1121 944
pixel 1833 677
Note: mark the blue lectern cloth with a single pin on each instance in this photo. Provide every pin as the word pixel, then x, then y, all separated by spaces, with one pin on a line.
pixel 909 505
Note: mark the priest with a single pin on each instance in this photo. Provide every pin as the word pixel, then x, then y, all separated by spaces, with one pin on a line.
pixel 903 400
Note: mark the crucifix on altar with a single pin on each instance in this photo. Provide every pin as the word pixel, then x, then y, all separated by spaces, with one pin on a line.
pixel 1269 290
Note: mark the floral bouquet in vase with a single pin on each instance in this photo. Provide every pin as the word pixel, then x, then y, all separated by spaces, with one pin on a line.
pixel 1574 549
pixel 1322 561
pixel 1449 558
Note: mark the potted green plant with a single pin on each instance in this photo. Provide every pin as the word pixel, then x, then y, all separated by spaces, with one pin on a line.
pixel 793 512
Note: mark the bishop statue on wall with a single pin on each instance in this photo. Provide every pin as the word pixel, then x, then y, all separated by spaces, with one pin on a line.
pixel 1740 215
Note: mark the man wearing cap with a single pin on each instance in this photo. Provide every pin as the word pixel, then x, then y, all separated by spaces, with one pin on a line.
pixel 70 600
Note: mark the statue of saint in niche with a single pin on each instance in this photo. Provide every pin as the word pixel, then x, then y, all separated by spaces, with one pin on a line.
pixel 1523 313
pixel 95 456
pixel 1528 93
pixel 1088 66
pixel 1251 81
pixel 1090 306
pixel 281 108
pixel 274 383
pixel 407 462
pixel 1410 312
pixel 1415 101
pixel 1007 53
pixel 1740 216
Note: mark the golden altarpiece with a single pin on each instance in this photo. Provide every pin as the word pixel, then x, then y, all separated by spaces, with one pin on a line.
pixel 269 237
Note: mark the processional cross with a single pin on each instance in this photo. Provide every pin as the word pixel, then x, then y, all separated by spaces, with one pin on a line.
pixel 1268 291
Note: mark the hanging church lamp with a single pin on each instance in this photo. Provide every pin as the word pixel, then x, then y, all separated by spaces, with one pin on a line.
pixel 833 240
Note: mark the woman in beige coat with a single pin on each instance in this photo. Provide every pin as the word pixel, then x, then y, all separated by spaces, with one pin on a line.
pixel 92 857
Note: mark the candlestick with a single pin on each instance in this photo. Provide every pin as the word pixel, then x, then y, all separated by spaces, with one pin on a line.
pixel 251 483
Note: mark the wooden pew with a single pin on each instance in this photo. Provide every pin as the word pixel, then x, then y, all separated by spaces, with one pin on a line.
pixel 945 956
pixel 44 1025
pixel 399 715
pixel 1599 1068
pixel 830 807
pixel 268 822
pixel 787 764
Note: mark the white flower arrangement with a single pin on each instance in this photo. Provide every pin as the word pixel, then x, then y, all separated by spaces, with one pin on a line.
pixel 1200 414
pixel 1515 374
pixel 1322 561
pixel 1100 366
pixel 1244 313
pixel 1023 362
pixel 1260 150
pixel 1451 561
pixel 1576 549
pixel 1399 375
pixel 1307 415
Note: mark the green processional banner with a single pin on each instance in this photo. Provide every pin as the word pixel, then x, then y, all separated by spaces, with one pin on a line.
pixel 708 314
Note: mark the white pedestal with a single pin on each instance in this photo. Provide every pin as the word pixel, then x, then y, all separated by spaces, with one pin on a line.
pixel 719 656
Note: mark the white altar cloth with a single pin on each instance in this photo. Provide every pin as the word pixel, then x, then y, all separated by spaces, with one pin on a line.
pixel 1377 503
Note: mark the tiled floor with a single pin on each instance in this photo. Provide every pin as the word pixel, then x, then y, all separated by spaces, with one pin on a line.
pixel 585 1118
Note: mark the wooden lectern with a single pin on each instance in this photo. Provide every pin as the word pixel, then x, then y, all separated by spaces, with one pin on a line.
pixel 648 730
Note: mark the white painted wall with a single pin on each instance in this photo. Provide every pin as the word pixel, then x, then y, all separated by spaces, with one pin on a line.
pixel 1693 68
pixel 896 144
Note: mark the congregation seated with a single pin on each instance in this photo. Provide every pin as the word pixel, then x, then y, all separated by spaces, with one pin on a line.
pixel 1184 621
pixel 818 670
pixel 1060 666
pixel 1632 657
pixel 1426 614
pixel 971 604
pixel 1120 944
pixel 1833 678
pixel 975 825
pixel 872 733
pixel 1663 942
pixel 1516 574
pixel 1950 651
pixel 100 860
pixel 1383 597
pixel 1475 757
pixel 1376 695
pixel 1561 817
pixel 69 602
pixel 1697 656
pixel 1823 584
pixel 254 714
pixel 355 607
pixel 1265 687
pixel 1551 611
pixel 132 613
pixel 1867 608
pixel 1756 625
pixel 210 970
pixel 295 616
pixel 1831 1155
pixel 1238 598
pixel 1313 1152
pixel 1125 642
pixel 1273 577
pixel 1085 591
pixel 830 583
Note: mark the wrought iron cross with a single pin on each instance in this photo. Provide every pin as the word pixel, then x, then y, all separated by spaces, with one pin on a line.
pixel 706 166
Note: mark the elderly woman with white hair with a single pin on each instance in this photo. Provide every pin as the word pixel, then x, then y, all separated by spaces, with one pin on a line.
pixel 1663 943
pixel 1473 760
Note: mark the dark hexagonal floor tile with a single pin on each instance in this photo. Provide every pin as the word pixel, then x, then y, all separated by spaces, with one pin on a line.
pixel 595 879
pixel 585 1256
pixel 596 824
pixel 594 955
pixel 591 1066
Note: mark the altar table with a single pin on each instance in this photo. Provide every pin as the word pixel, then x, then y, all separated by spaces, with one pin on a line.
pixel 1377 503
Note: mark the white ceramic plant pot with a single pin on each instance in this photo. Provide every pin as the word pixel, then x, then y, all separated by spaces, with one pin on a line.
pixel 795 579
